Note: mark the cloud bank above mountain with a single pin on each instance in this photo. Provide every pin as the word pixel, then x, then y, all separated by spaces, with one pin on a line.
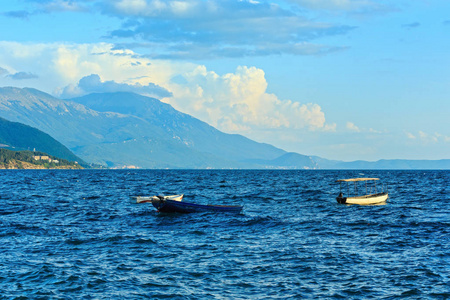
pixel 93 84
pixel 239 102
pixel 232 102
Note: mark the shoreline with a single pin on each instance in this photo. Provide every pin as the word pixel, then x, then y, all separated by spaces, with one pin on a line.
pixel 21 165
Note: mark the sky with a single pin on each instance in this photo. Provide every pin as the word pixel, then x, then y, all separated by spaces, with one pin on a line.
pixel 340 79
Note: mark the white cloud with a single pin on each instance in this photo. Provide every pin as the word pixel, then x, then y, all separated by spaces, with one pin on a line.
pixel 239 101
pixel 427 138
pixel 62 5
pixel 199 29
pixel 330 127
pixel 94 84
pixel 235 102
pixel 352 127
pixel 371 130
pixel 209 29
pixel 410 136
pixel 58 65
pixel 154 8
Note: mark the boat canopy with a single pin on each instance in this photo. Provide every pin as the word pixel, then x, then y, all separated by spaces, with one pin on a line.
pixel 356 179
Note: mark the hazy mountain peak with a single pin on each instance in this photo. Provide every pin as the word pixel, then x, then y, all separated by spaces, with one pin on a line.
pixel 122 102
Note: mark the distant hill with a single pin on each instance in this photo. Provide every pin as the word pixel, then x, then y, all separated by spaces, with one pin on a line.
pixel 33 160
pixel 17 136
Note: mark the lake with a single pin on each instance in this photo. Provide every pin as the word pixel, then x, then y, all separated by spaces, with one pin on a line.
pixel 71 234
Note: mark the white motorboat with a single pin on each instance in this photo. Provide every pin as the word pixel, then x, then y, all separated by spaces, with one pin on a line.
pixel 371 196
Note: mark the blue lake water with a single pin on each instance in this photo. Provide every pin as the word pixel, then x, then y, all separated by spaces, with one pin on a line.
pixel 75 235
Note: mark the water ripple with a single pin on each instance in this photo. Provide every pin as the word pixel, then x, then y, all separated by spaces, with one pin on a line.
pixel 74 234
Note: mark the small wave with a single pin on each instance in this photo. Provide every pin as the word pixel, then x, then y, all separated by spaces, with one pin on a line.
pixel 411 292
pixel 144 241
pixel 197 232
pixel 91 197
pixel 113 239
pixel 97 282
pixel 312 191
pixel 5 213
pixel 261 221
pixel 90 240
pixel 8 233
pixel 76 242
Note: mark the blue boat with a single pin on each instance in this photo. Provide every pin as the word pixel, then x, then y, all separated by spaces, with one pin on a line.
pixel 171 206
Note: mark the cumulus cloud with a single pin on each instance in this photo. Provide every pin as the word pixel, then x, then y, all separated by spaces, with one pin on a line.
pixel 62 5
pixel 60 66
pixel 93 84
pixel 239 102
pixel 330 127
pixel 22 76
pixel 352 127
pixel 198 29
pixel 411 136
pixel 427 138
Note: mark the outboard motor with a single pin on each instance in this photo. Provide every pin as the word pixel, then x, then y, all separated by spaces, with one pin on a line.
pixel 341 199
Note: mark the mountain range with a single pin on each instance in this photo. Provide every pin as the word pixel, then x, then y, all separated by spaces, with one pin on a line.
pixel 126 129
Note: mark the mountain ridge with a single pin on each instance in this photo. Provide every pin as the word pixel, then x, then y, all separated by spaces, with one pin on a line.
pixel 170 140
pixel 191 131
pixel 125 129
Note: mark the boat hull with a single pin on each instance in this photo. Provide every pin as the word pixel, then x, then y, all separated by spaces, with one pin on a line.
pixel 170 206
pixel 364 200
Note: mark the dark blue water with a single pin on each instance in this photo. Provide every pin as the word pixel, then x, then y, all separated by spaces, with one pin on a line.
pixel 75 235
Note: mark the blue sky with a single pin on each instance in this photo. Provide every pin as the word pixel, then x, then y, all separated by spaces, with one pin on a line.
pixel 341 79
